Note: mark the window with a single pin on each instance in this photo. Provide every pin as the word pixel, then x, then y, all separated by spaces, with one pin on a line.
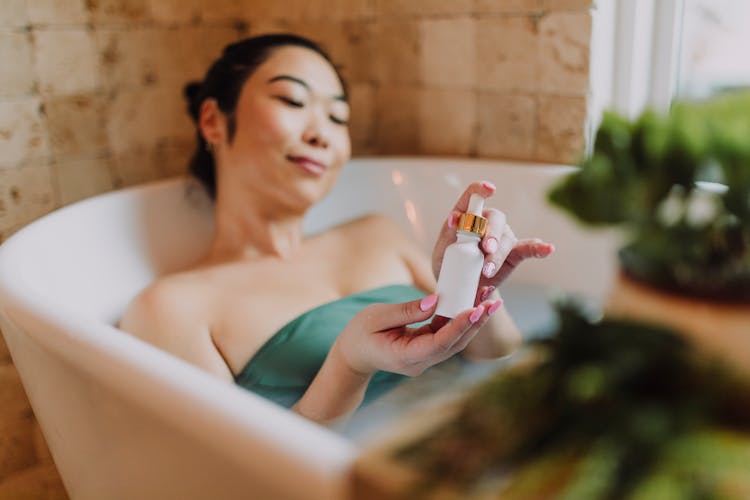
pixel 714 45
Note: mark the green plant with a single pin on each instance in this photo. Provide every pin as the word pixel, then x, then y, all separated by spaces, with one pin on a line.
pixel 613 409
pixel 643 176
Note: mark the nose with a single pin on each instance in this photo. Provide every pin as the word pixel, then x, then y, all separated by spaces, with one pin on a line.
pixel 315 134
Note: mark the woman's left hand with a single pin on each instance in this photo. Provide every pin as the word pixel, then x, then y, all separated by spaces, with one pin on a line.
pixel 503 252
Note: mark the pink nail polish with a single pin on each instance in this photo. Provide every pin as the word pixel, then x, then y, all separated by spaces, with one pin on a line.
pixel 426 303
pixel 451 220
pixel 487 293
pixel 489 269
pixel 494 307
pixel 488 185
pixel 490 245
pixel 476 314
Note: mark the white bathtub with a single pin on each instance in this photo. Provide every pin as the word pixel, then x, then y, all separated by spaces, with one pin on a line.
pixel 126 420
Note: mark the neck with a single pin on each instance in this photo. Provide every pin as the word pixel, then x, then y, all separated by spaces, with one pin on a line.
pixel 251 231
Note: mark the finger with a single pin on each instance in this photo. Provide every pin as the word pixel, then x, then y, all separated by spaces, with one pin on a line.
pixel 524 249
pixel 490 307
pixel 530 248
pixel 381 317
pixel 483 188
pixel 495 241
pixel 452 330
pixel 483 293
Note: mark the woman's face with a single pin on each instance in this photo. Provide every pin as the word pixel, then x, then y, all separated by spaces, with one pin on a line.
pixel 292 135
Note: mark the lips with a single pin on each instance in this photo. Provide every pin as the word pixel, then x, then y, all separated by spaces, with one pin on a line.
pixel 308 164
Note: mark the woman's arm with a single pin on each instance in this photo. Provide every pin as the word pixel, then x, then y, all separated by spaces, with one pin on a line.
pixel 377 338
pixel 335 392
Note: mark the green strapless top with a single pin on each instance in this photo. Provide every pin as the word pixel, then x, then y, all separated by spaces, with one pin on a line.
pixel 285 366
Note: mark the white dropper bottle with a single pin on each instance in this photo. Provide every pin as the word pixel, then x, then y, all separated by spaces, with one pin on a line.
pixel 462 263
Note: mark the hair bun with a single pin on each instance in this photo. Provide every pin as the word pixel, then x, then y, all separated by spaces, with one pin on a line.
pixel 192 93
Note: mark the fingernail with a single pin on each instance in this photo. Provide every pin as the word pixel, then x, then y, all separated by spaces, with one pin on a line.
pixel 488 185
pixel 426 303
pixel 490 245
pixel 487 293
pixel 476 314
pixel 489 269
pixel 494 307
pixel 451 220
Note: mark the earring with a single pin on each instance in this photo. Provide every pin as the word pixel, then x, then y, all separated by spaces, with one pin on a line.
pixel 209 147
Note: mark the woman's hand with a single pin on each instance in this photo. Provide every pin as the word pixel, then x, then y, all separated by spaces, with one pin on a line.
pixel 503 251
pixel 377 338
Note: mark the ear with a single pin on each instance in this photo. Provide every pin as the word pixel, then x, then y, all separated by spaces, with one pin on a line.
pixel 212 122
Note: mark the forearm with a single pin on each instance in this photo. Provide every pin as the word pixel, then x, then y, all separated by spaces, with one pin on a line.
pixel 335 392
pixel 499 336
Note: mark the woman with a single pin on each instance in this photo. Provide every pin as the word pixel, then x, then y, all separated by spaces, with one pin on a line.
pixel 319 323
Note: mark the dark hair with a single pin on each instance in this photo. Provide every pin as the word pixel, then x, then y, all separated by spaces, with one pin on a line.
pixel 224 81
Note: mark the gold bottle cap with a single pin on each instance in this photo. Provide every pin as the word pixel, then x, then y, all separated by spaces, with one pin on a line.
pixel 472 223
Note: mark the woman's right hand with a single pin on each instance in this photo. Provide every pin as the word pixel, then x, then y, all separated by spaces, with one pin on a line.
pixel 378 337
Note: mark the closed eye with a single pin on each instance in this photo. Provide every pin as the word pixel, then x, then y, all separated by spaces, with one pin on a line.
pixel 291 102
pixel 338 121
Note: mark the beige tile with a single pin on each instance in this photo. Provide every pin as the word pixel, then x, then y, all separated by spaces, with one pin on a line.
pixel 397 120
pixel 13 400
pixel 420 8
pixel 508 6
pixel 141 165
pixel 22 134
pixel 16 71
pixel 76 125
pixel 205 45
pixel 136 166
pixel 173 157
pixel 16 443
pixel 26 193
pixel 336 10
pixel 170 12
pixel 66 61
pixel 14 14
pixel 239 11
pixel 268 25
pixel 40 482
pixel 144 118
pixel 4 352
pixel 560 132
pixel 449 52
pixel 349 43
pixel 79 179
pixel 251 10
pixel 57 12
pixel 118 11
pixel 564 53
pixel 359 45
pixel 506 126
pixel 41 450
pixel 506 54
pixel 398 53
pixel 362 118
pixel 566 4
pixel 447 121
pixel 150 56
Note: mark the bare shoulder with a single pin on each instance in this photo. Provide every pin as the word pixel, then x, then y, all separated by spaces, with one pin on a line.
pixel 376 227
pixel 172 299
pixel 173 314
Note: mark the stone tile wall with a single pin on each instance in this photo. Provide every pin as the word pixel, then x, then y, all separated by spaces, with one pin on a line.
pixel 90 101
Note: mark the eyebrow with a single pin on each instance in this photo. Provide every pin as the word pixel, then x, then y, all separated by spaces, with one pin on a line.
pixel 301 82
